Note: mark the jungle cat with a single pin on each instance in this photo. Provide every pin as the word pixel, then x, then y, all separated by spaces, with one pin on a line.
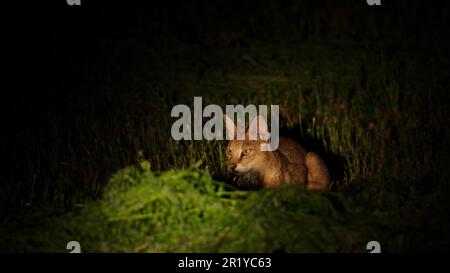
pixel 290 163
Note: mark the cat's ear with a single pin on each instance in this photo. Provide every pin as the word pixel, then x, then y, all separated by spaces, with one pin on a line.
pixel 258 128
pixel 230 127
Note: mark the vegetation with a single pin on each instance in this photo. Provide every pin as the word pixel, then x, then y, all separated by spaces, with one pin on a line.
pixel 100 166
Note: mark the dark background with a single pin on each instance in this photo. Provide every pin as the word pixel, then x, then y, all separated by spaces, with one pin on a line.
pixel 81 81
pixel 55 54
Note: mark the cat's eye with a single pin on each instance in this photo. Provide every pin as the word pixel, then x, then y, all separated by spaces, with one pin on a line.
pixel 246 152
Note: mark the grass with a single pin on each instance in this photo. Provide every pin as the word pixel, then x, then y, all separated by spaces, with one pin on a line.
pixel 187 211
pixel 101 167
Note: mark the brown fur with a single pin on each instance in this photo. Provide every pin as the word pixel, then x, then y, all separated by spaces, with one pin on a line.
pixel 290 163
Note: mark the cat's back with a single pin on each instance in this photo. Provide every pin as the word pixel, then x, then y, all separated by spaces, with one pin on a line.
pixel 293 151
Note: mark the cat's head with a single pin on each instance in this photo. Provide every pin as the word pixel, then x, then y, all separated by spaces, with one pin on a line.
pixel 245 156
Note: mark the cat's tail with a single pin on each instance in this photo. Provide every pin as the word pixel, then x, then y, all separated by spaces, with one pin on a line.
pixel 318 177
